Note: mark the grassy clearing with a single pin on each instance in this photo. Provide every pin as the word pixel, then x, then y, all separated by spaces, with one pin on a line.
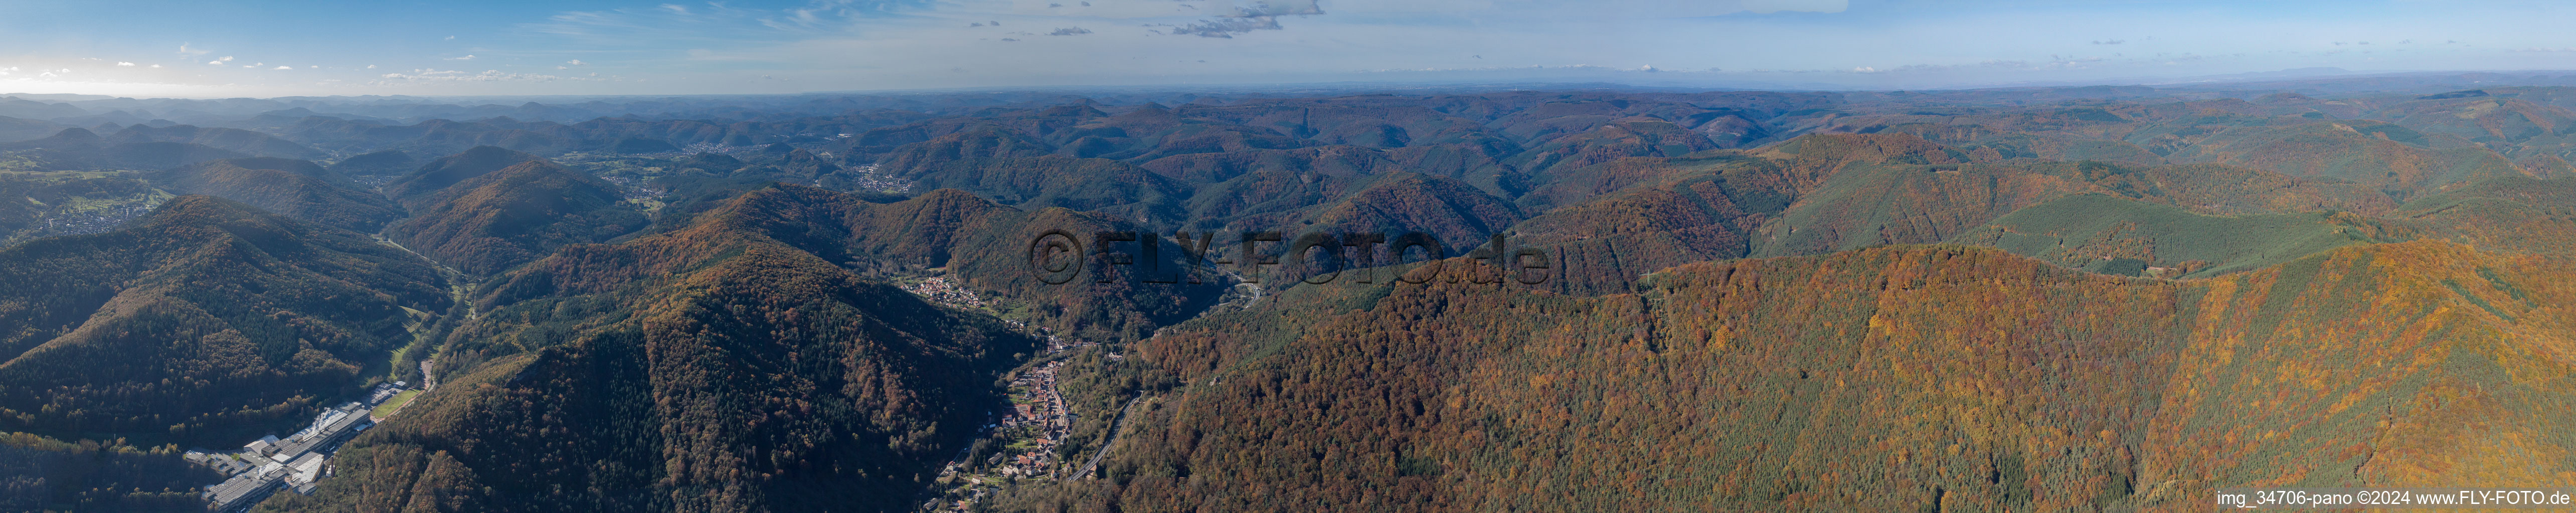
pixel 396 403
pixel 2094 232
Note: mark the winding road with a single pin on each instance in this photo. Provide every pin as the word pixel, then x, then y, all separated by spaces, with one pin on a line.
pixel 1115 429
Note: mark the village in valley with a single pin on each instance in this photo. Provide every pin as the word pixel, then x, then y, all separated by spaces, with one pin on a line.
pixel 1023 442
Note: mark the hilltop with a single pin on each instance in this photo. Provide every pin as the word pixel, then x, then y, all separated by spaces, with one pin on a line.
pixel 1887 378
pixel 202 321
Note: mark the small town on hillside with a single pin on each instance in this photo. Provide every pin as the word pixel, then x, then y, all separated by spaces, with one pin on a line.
pixel 1030 431
pixel 298 461
pixel 1036 424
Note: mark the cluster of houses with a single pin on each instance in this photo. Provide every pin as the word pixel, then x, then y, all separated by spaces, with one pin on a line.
pixel 1042 411
pixel 938 288
pixel 296 461
pixel 97 221
pixel 636 189
pixel 1039 409
pixel 866 178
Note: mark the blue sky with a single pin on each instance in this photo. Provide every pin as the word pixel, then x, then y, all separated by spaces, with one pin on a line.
pixel 465 47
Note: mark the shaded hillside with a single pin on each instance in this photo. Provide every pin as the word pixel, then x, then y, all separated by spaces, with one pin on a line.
pixel 447 171
pixel 76 149
pixel 1219 167
pixel 1453 212
pixel 768 380
pixel 983 244
pixel 20 129
pixel 490 222
pixel 39 474
pixel 915 160
pixel 203 321
pixel 1627 137
pixel 1901 378
pixel 228 139
pixel 296 188
pixel 376 168
pixel 715 368
pixel 1696 211
pixel 1094 185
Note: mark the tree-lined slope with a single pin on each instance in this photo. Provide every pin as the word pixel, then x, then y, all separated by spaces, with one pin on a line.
pixel 490 222
pixel 296 188
pixel 1898 378
pixel 204 320
pixel 714 368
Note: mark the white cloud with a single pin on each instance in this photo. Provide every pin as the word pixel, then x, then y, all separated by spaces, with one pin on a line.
pixel 1544 9
pixel 282 67
pixel 449 38
pixel 226 58
pixel 371 66
pixel 185 50
pixel 438 75
pixel 156 65
pixel 215 62
pixel 574 62
pixel 683 11
pixel 467 57
pixel 125 64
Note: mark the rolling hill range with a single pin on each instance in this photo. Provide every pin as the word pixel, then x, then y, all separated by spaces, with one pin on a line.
pixel 447 171
pixel 2512 214
pixel 296 188
pixel 2110 235
pixel 76 149
pixel 673 406
pixel 490 222
pixel 665 355
pixel 202 321
pixel 983 244
pixel 2101 298
pixel 1892 378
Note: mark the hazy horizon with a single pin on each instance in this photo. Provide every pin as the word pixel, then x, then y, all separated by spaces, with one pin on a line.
pixel 602 48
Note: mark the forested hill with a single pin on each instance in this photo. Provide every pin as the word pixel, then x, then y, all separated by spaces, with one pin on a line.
pixel 1898 378
pixel 296 188
pixel 489 222
pixel 714 368
pixel 199 323
pixel 2046 298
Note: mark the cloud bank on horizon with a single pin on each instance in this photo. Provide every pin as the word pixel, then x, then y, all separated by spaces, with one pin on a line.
pixel 662 47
